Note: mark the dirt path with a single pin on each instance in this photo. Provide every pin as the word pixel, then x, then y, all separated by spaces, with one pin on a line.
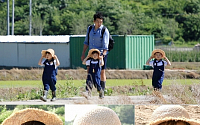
pixel 110 100
pixel 144 112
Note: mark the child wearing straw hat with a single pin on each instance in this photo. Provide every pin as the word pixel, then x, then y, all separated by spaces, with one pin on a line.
pixel 158 66
pixel 171 115
pixel 49 74
pixel 93 61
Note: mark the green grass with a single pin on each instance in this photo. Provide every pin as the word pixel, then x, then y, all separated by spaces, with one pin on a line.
pixel 109 83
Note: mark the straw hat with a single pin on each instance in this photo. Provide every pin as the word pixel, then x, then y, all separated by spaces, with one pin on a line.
pixel 158 50
pixel 32 114
pixel 92 50
pixel 171 112
pixel 98 116
pixel 49 50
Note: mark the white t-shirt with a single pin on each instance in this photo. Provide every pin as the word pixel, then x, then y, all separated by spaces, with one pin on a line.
pixel 48 63
pixel 158 64
pixel 93 62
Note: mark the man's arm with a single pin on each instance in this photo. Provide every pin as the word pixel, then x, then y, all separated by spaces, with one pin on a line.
pixel 101 59
pixel 83 52
pixel 105 41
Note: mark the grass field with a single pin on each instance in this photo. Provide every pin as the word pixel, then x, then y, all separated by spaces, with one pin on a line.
pixel 109 83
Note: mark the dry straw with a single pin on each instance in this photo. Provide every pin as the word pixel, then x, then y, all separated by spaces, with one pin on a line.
pixel 49 50
pixel 98 116
pixel 158 51
pixel 92 50
pixel 32 114
pixel 171 112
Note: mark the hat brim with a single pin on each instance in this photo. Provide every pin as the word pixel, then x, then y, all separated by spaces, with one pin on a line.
pixel 43 52
pixel 158 51
pixel 32 114
pixel 190 121
pixel 92 50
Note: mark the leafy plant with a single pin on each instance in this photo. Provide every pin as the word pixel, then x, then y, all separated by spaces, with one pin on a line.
pixel 108 91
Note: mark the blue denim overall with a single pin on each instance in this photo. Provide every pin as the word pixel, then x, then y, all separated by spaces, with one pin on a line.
pixel 94 74
pixel 158 75
pixel 49 76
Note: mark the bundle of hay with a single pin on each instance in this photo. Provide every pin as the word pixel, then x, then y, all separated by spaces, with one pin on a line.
pixel 98 116
pixel 32 115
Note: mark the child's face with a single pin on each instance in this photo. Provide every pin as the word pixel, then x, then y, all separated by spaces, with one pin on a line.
pixel 48 56
pixel 158 56
pixel 95 56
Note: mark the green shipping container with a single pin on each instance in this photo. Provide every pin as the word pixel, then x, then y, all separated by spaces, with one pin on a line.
pixel 130 52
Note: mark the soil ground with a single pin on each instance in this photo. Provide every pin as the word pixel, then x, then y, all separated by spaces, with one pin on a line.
pixel 153 98
pixel 36 74
pixel 108 100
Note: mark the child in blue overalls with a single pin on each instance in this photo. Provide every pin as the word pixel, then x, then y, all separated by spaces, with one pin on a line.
pixel 93 62
pixel 158 68
pixel 49 74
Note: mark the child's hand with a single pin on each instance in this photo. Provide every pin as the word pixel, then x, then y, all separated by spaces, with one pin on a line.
pixel 100 57
pixel 165 58
pixel 152 57
pixel 55 57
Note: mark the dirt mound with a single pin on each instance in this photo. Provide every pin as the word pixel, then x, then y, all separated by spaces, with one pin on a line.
pixel 63 74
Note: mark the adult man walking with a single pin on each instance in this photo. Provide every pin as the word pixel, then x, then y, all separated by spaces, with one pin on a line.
pixel 96 40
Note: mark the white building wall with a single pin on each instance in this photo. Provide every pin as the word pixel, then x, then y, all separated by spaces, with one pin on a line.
pixel 22 53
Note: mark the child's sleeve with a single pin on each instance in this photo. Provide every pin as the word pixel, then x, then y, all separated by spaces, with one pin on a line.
pixel 165 63
pixel 151 63
pixel 87 62
pixel 54 61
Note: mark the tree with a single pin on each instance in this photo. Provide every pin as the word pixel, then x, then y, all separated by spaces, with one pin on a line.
pixel 127 114
pixel 3 19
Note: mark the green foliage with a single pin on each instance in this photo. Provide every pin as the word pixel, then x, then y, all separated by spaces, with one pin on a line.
pixel 124 87
pixel 183 56
pixel 68 89
pixel 126 113
pixel 166 40
pixel 32 94
pixel 6 111
pixel 177 20
pixel 108 92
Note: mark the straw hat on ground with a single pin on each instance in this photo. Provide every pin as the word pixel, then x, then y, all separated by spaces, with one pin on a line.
pixel 98 116
pixel 158 50
pixel 171 112
pixel 32 114
pixel 49 50
pixel 92 50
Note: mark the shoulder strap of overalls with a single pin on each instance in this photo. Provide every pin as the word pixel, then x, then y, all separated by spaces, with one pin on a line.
pixel 99 63
pixel 90 61
pixel 53 61
pixel 163 63
pixel 45 61
pixel 154 62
